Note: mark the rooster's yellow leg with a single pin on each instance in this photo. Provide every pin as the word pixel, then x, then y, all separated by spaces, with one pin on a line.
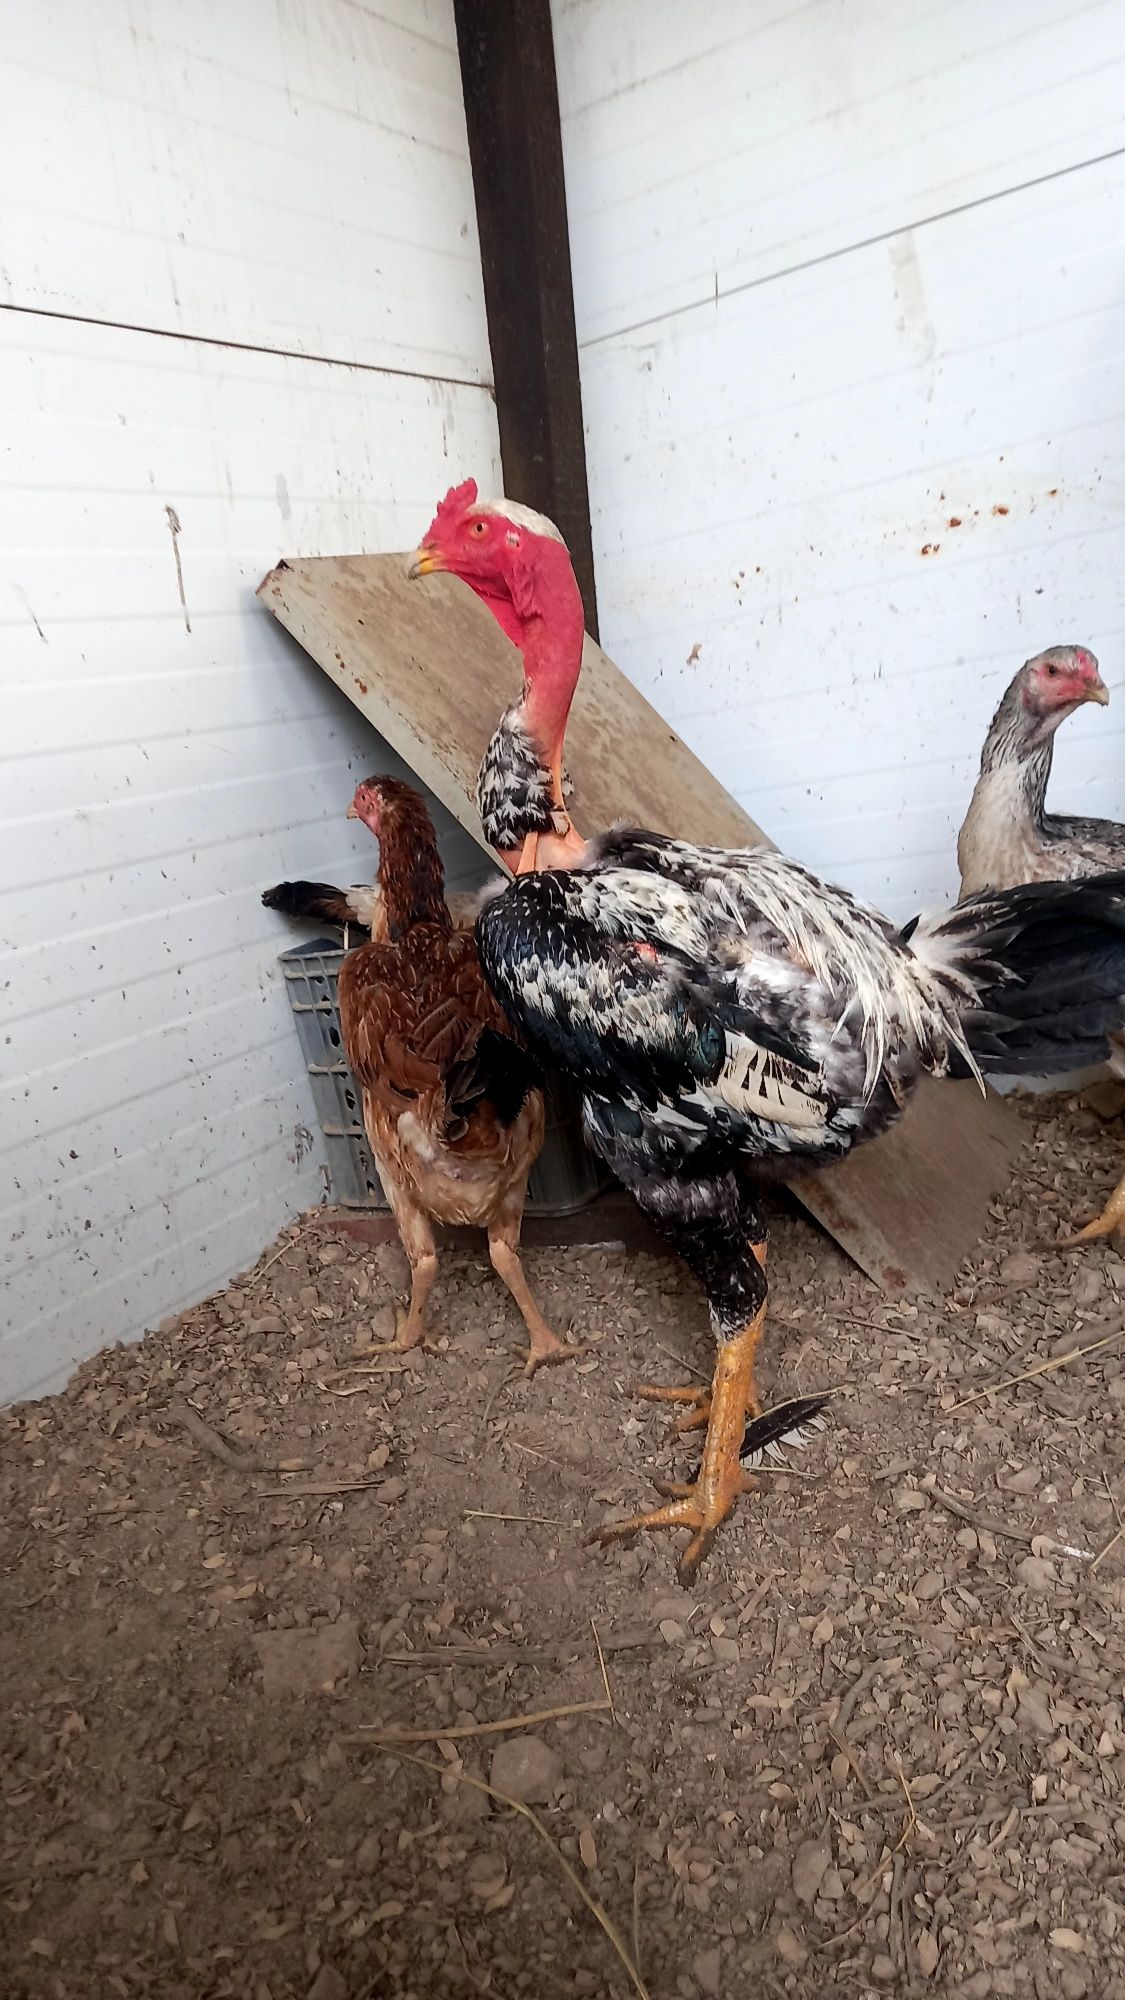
pixel 1111 1219
pixel 721 1481
pixel 699 1412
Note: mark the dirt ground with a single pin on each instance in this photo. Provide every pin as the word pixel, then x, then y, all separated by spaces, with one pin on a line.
pixel 878 1748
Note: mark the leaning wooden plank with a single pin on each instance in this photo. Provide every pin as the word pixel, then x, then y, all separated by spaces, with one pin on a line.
pixel 431 671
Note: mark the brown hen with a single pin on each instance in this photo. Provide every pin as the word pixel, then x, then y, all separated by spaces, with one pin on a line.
pixel 452 1103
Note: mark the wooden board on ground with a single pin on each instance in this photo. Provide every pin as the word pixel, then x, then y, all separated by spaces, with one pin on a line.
pixel 431 670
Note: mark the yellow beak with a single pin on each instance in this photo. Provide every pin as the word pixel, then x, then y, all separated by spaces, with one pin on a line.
pixel 351 812
pixel 423 562
pixel 1098 691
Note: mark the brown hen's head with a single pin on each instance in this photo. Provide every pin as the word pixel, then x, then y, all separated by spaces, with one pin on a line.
pixel 385 804
pixel 1053 684
pixel 411 876
pixel 514 559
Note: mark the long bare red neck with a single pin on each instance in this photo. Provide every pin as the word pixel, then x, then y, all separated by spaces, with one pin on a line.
pixel 550 639
pixel 542 614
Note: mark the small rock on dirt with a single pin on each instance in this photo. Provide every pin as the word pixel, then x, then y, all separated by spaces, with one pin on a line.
pixel 486 1875
pixel 1036 1573
pixel 328 1985
pixel 527 1769
pixel 927 1951
pixel 707 1970
pixel 1019 1269
pixel 809 1865
pixel 299 1662
pixel 1033 1711
pixel 790 1948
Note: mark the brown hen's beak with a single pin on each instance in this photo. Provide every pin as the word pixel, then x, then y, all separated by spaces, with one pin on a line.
pixel 1098 691
pixel 423 562
pixel 351 812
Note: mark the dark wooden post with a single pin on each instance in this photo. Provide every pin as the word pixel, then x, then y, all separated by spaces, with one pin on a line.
pixel 515 145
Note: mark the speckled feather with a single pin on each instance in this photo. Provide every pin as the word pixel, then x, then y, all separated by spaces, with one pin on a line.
pixel 727 1004
pixel 514 787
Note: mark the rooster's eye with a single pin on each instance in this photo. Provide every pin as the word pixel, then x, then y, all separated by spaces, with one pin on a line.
pixel 477 528
pixel 1051 672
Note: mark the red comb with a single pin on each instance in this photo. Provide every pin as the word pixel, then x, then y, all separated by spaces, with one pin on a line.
pixel 452 508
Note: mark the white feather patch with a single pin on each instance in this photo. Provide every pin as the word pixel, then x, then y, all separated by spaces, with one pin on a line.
pixel 520 516
pixel 756 1081
pixel 795 1440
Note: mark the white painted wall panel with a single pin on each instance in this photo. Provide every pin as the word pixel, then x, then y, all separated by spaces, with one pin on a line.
pixel 716 147
pixel 844 276
pixel 287 173
pixel 153 1102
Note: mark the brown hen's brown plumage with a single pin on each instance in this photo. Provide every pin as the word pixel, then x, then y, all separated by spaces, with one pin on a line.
pixel 452 1103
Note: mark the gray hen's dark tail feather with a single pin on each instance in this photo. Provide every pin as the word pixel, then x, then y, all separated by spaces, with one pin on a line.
pixel 1047 964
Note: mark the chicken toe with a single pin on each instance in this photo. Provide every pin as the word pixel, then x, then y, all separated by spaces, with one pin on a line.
pixel 698 1400
pixel 704 1505
pixel 1108 1223
pixel 545 1349
pixel 409 1334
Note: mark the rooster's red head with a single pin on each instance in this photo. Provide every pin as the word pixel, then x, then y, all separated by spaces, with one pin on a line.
pixel 514 559
pixel 517 563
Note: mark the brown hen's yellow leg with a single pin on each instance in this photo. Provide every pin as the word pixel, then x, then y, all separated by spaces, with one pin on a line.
pixel 544 1347
pixel 1111 1219
pixel 721 1481
pixel 417 1239
pixel 700 1399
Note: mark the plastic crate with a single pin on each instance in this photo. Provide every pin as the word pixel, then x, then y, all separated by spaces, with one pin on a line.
pixel 565 1177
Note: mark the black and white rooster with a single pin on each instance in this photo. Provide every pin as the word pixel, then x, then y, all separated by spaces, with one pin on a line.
pixel 726 1010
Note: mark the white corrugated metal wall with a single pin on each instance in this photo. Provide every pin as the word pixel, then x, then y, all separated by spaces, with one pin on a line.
pixel 240 313
pixel 850 291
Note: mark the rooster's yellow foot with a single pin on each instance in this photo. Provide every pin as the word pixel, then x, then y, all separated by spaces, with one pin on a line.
pixel 699 1400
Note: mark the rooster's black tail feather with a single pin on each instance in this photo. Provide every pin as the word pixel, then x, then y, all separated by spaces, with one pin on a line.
pixel 1047 961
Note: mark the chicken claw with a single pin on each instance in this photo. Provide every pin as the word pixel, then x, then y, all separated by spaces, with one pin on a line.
pixel 697 1416
pixel 409 1334
pixel 546 1350
pixel 704 1505
pixel 1110 1222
